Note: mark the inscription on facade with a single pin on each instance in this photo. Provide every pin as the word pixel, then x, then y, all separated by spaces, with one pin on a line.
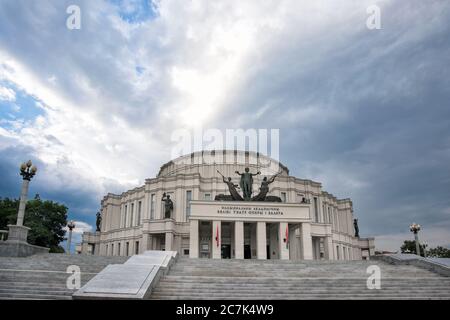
pixel 254 211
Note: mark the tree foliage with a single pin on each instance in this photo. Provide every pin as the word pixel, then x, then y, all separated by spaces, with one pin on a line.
pixel 409 246
pixel 45 218
pixel 439 252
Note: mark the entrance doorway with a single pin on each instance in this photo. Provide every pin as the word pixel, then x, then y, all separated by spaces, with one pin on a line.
pixel 247 252
pixel 226 251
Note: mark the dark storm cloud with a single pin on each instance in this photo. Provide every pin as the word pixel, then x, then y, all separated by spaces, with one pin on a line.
pixel 372 106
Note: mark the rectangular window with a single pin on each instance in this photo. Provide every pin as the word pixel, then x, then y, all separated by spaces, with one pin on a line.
pixel 118 249
pixel 139 213
pixel 188 203
pixel 112 249
pixel 107 250
pixel 127 249
pixel 152 206
pixel 132 215
pixel 186 252
pixel 207 196
pixel 316 210
pixel 283 197
pixel 136 247
pixel 335 220
pixel 125 220
pixel 337 253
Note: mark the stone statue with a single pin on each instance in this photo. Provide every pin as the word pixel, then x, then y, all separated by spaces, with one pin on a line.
pixel 232 188
pixel 355 224
pixel 99 221
pixel 264 189
pixel 168 206
pixel 246 183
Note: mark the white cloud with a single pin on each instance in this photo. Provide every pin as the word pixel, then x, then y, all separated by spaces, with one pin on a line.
pixel 7 94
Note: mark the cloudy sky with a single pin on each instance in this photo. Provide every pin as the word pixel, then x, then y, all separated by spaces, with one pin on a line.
pixel 364 111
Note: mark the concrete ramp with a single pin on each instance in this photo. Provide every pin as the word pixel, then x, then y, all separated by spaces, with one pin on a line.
pixel 134 279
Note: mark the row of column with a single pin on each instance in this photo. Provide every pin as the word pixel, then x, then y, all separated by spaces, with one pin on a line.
pixel 261 240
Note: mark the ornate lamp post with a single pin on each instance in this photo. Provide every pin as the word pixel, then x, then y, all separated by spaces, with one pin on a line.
pixel 27 171
pixel 71 226
pixel 415 228
pixel 19 232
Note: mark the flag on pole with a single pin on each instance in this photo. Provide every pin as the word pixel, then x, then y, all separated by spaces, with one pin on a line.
pixel 217 236
pixel 287 236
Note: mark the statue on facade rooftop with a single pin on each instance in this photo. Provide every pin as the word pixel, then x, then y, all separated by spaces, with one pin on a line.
pixel 98 222
pixel 246 183
pixel 355 224
pixel 232 188
pixel 168 206
pixel 264 189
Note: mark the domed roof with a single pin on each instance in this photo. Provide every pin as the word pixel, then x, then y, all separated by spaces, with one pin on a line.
pixel 229 160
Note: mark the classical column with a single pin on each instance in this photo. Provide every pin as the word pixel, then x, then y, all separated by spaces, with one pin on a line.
pixel 283 240
pixel 239 239
pixel 306 241
pixel 261 246
pixel 169 241
pixel 329 247
pixel 216 239
pixel 193 239
pixel 144 243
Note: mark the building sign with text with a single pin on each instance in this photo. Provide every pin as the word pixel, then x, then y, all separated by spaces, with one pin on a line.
pixel 250 211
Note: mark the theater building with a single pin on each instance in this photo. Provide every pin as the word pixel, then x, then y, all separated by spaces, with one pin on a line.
pixel 308 223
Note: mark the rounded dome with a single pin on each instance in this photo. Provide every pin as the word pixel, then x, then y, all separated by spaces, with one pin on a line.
pixel 207 162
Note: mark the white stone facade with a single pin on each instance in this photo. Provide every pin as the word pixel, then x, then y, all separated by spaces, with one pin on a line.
pixel 319 228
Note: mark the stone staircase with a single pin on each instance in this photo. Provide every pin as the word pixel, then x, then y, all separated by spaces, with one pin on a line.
pixel 44 276
pixel 276 279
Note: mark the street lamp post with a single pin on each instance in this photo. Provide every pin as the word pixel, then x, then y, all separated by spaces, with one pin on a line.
pixel 18 232
pixel 71 226
pixel 415 228
pixel 27 171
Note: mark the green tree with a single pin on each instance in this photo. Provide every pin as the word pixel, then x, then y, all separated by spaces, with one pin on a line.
pixel 45 218
pixel 439 252
pixel 409 246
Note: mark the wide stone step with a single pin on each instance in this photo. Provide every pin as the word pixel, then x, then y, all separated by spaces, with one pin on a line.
pixel 300 290
pixel 50 291
pixel 298 297
pixel 32 296
pixel 39 285
pixel 40 275
pixel 310 286
pixel 249 279
pixel 256 279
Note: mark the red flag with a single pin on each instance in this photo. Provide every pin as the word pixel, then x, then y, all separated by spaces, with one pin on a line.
pixel 287 236
pixel 217 235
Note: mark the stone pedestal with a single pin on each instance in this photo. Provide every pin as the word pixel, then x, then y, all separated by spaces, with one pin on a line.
pixel 17 246
pixel 17 233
